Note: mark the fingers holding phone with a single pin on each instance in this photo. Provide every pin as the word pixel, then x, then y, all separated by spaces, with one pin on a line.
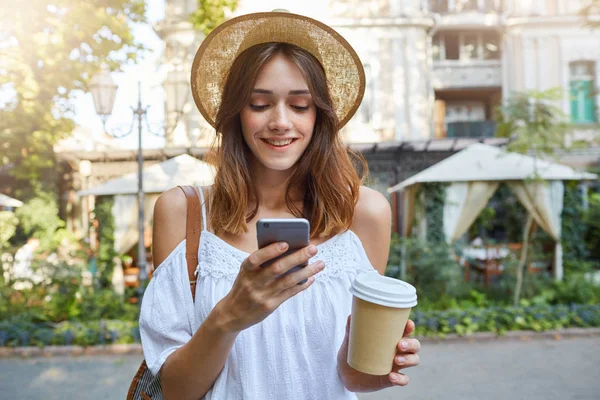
pixel 293 283
pixel 290 271
pixel 256 260
pixel 289 263
pixel 277 271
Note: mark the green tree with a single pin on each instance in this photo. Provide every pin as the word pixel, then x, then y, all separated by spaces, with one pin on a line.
pixel 592 220
pixel 536 126
pixel 49 49
pixel 8 227
pixel 106 238
pixel 211 13
pixel 39 218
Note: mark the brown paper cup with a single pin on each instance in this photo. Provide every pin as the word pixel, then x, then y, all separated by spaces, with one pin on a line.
pixel 376 329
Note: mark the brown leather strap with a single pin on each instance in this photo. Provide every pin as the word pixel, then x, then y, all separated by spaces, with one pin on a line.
pixel 192 234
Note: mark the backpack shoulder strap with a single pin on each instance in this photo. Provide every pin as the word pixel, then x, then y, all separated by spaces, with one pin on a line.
pixel 192 234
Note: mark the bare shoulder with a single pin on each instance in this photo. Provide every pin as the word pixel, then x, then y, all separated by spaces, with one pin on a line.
pixel 168 227
pixel 371 207
pixel 373 225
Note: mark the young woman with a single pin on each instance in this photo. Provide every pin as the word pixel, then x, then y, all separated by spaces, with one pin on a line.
pixel 277 87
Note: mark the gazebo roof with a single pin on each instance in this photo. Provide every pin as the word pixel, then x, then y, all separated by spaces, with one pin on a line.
pixel 480 162
pixel 180 170
pixel 7 201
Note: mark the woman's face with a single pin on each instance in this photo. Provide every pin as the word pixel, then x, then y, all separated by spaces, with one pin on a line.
pixel 278 122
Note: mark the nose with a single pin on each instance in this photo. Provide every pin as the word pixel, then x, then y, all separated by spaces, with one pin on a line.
pixel 280 120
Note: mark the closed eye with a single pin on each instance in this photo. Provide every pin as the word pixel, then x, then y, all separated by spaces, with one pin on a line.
pixel 264 107
pixel 258 108
pixel 300 108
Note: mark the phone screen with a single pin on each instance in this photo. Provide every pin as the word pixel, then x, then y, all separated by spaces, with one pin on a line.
pixel 294 231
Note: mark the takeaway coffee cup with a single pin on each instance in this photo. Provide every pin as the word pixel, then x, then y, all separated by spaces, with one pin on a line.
pixel 380 309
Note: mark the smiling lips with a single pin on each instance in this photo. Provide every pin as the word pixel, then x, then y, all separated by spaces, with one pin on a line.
pixel 279 143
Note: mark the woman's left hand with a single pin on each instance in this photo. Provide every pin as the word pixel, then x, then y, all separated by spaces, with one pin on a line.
pixel 406 356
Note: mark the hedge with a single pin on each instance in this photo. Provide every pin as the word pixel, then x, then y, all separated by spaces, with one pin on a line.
pixel 503 319
pixel 68 333
pixel 429 323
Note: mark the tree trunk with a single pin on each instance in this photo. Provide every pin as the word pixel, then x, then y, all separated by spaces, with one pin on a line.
pixel 523 259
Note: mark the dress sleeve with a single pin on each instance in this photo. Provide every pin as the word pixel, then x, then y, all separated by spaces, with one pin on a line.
pixel 167 313
pixel 363 262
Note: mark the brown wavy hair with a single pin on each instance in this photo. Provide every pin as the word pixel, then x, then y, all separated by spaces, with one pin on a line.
pixel 327 173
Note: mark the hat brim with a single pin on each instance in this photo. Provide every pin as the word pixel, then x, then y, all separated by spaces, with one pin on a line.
pixel 343 68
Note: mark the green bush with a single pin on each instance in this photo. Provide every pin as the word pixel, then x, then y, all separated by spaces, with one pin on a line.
pixel 499 320
pixel 502 319
pixel 573 230
pixel 8 227
pixel 435 196
pixel 575 289
pixel 96 304
pixel 431 268
pixel 62 297
pixel 106 239
pixel 592 220
pixel 16 332
pixel 39 218
pixel 440 284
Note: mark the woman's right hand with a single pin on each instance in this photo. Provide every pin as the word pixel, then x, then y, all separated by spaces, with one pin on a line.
pixel 258 291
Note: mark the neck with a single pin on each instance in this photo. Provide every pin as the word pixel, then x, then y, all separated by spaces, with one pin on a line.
pixel 271 188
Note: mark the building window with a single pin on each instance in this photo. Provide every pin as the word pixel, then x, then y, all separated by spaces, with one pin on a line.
pixel 491 46
pixel 451 46
pixel 582 93
pixel 457 6
pixel 439 6
pixel 466 46
pixel 493 5
pixel 436 48
pixel 467 5
pixel 469 50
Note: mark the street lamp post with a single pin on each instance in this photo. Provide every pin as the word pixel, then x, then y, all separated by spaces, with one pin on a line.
pixel 104 91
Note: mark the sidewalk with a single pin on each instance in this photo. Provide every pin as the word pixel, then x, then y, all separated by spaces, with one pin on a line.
pixel 542 369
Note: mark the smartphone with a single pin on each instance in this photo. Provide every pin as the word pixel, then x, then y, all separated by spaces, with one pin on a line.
pixel 294 231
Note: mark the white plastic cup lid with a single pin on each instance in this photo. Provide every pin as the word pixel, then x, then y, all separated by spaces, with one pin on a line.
pixel 383 290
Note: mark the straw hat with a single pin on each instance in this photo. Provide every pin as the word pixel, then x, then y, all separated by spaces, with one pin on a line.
pixel 344 70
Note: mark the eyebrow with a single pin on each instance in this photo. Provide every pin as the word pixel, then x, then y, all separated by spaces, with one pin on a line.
pixel 291 92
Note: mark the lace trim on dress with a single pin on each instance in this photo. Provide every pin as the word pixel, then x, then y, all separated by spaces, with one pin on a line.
pixel 219 259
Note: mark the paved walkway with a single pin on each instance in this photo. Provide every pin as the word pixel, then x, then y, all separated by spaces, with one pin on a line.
pixel 532 370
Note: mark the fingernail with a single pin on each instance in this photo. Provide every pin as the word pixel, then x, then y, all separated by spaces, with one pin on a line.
pixel 311 251
pixel 400 360
pixel 282 246
pixel 404 345
pixel 396 378
pixel 320 266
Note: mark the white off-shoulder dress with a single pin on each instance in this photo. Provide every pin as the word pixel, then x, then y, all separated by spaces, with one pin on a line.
pixel 292 354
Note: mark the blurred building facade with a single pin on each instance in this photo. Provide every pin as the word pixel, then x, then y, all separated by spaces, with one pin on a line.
pixel 435 68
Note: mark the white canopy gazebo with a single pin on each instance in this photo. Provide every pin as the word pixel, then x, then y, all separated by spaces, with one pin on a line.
pixel 9 202
pixel 181 170
pixel 475 173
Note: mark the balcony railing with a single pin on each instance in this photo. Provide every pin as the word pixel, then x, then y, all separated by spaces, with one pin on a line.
pixel 471 129
pixel 459 6
pixel 476 74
